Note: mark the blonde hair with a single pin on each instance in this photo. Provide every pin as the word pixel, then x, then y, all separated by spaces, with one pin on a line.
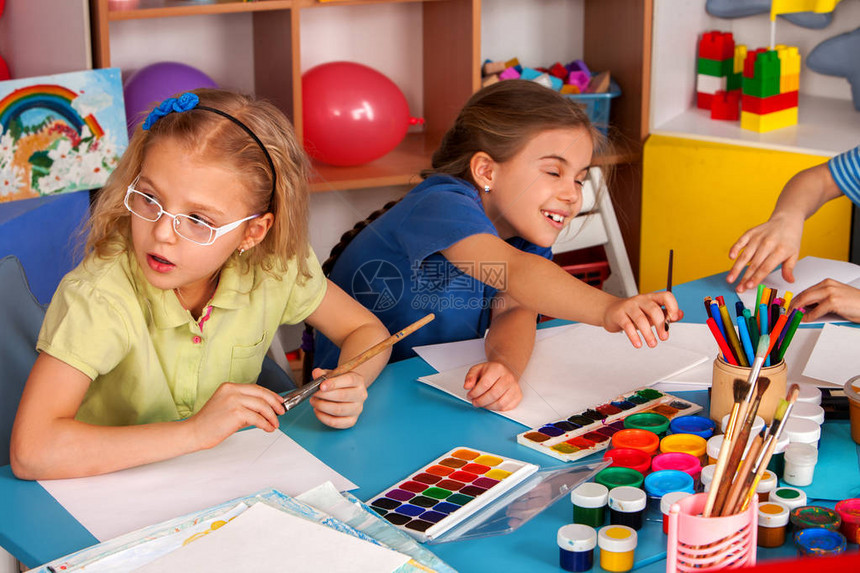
pixel 220 140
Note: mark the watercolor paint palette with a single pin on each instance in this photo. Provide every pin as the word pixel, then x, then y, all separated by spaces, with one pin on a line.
pixel 449 490
pixel 589 431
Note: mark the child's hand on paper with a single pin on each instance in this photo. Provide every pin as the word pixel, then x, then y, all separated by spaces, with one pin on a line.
pixel 763 248
pixel 231 408
pixel 493 386
pixel 826 297
pixel 339 400
pixel 642 312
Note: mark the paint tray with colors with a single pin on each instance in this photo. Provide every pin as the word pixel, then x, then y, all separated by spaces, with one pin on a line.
pixel 449 490
pixel 589 431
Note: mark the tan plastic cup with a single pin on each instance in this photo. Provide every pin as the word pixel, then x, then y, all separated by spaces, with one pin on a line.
pixel 852 391
pixel 722 395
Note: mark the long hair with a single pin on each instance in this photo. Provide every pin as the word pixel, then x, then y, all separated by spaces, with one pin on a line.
pixel 218 140
pixel 500 119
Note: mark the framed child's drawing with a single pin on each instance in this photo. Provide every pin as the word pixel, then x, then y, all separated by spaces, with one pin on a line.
pixel 60 133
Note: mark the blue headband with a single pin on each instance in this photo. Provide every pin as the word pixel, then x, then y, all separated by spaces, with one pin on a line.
pixel 189 101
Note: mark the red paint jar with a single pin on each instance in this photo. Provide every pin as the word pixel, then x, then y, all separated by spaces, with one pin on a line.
pixel 849 511
pixel 629 458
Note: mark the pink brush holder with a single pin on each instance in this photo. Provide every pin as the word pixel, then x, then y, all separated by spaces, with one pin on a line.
pixel 698 544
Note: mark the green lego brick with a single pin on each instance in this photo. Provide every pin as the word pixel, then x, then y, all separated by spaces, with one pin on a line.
pixel 716 68
pixel 767 65
pixel 735 81
pixel 761 87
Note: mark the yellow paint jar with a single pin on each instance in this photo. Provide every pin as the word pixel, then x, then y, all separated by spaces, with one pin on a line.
pixel 617 545
pixel 687 444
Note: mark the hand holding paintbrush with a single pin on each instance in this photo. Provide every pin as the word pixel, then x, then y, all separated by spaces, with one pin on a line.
pixel 295 397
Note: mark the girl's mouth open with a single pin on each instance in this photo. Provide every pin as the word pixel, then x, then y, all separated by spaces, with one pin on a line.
pixel 159 264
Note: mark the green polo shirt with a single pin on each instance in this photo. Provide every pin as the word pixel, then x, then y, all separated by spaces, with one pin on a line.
pixel 148 359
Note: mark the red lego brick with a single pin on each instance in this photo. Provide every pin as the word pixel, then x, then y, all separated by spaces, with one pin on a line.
pixel 763 105
pixel 717 45
pixel 726 105
pixel 703 100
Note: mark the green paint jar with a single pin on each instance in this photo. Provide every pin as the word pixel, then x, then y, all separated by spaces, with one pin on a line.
pixel 650 421
pixel 589 504
pixel 616 476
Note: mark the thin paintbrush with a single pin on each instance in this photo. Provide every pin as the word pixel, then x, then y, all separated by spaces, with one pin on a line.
pixel 747 465
pixel 739 441
pixel 739 388
pixel 295 397
pixel 669 286
pixel 782 413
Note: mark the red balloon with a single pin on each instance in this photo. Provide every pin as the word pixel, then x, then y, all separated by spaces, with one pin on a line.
pixel 352 114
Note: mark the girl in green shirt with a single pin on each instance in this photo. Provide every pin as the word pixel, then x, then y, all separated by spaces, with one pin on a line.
pixel 197 252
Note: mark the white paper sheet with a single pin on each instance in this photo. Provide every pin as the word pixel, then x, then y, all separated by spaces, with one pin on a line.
pixel 266 539
pixel 578 368
pixel 450 355
pixel 836 356
pixel 809 271
pixel 698 338
pixel 116 503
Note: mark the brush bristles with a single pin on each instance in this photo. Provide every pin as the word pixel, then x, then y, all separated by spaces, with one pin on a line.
pixel 780 410
pixel 763 345
pixel 740 389
pixel 762 386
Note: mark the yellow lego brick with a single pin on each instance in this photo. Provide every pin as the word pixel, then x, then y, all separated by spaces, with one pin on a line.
pixel 789 60
pixel 790 6
pixel 790 83
pixel 740 56
pixel 770 121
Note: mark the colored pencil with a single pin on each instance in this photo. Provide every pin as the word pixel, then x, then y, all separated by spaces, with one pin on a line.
pixel 786 299
pixel 789 334
pixel 733 341
pixel 743 331
pixel 774 334
pixel 763 327
pixel 759 291
pixel 295 397
pixel 718 319
pixel 752 326
pixel 721 342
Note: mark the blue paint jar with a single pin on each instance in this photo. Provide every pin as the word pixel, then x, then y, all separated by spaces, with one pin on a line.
pixel 576 543
pixel 661 482
pixel 819 541
pixel 697 425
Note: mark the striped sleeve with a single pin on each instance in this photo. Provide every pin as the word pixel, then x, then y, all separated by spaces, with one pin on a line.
pixel 845 169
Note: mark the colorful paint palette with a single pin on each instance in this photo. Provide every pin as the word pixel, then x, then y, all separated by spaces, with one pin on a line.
pixel 589 431
pixel 448 490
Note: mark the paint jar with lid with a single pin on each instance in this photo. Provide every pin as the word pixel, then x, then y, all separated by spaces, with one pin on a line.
pixel 766 484
pixel 627 506
pixel 777 460
pixel 696 425
pixel 629 458
pixel 790 497
pixel 802 431
pixel 808 411
pixel 666 503
pixel 576 543
pixel 758 424
pixel 617 546
pixel 714 444
pixel 651 421
pixel 687 444
pixel 687 463
pixel 614 476
pixel 589 504
pixel 808 393
pixel 819 542
pixel 849 511
pixel 659 483
pixel 815 516
pixel 643 440
pixel 852 392
pixel 707 476
pixel 800 460
pixel 772 524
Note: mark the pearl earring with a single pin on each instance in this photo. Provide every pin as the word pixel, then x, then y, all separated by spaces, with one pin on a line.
pixel 241 252
pixel 486 188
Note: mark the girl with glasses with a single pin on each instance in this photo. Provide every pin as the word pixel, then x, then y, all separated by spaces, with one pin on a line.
pixel 197 252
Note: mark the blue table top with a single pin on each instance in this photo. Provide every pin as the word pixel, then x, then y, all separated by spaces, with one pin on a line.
pixel 405 425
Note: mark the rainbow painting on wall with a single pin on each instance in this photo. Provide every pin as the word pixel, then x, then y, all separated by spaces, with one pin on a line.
pixel 60 133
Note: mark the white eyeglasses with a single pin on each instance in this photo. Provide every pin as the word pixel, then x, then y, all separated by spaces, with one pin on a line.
pixel 188 227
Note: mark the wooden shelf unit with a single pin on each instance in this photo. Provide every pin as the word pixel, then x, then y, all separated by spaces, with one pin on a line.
pixel 616 37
